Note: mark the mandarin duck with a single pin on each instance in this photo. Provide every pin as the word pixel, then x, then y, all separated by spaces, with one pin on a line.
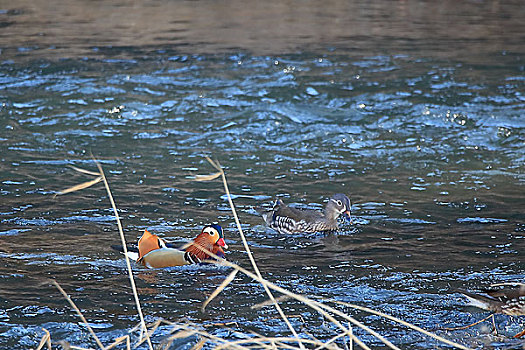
pixel 153 251
pixel 285 219
pixel 508 301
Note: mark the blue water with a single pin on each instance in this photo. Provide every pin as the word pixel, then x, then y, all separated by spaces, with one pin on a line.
pixel 427 140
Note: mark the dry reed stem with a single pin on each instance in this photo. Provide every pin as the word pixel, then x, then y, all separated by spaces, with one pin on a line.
pixel 202 333
pixel 46 340
pixel 219 168
pixel 120 340
pixel 128 264
pixel 101 176
pixel 219 289
pixel 66 296
pixel 273 339
pixel 331 340
pixel 311 303
pixel 350 342
pixel 153 328
pixel 409 325
pixel 272 344
pixel 84 171
pixel 199 345
pixel 318 307
pixel 79 186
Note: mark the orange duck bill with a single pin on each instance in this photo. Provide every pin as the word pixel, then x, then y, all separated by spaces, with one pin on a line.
pixel 156 253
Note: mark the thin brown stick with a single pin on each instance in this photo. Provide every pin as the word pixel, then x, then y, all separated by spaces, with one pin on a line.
pixel 467 326
pixel 78 313
pixel 128 264
pixel 520 334
pixel 219 168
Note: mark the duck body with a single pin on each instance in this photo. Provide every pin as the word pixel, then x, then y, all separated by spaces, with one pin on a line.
pixel 508 301
pixel 288 220
pixel 154 252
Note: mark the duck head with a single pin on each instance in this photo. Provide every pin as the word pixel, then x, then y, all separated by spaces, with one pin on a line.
pixel 211 238
pixel 215 235
pixel 339 204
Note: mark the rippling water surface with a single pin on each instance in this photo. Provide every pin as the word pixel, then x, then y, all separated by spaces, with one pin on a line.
pixel 423 128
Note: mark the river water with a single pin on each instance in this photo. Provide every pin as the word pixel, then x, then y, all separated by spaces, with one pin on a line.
pixel 414 109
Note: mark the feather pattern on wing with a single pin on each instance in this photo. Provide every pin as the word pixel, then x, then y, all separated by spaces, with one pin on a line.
pixel 285 219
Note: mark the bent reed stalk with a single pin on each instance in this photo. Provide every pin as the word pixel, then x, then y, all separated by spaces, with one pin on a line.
pixel 100 176
pixel 218 167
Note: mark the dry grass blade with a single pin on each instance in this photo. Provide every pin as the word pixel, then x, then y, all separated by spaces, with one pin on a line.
pixel 220 288
pixel 181 334
pixel 79 186
pixel 331 341
pixel 311 303
pixel 46 340
pixel 207 177
pixel 350 342
pixel 128 264
pixel 218 166
pixel 195 331
pixel 102 176
pixel 84 171
pixel 199 344
pixel 78 313
pixel 152 330
pixel 319 307
pixel 120 340
pixel 273 340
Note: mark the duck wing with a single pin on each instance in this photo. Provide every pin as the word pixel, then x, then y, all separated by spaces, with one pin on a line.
pixel 283 218
pixel 165 257
pixel 506 293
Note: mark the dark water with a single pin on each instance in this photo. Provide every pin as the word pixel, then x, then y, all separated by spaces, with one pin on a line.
pixel 414 109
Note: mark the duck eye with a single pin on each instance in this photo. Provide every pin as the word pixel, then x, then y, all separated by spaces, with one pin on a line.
pixel 339 203
pixel 211 232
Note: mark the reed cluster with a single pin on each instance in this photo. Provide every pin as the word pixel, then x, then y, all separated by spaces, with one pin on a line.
pixel 344 323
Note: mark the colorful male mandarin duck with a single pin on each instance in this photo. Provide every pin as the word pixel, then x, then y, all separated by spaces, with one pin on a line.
pixel 508 301
pixel 285 219
pixel 154 252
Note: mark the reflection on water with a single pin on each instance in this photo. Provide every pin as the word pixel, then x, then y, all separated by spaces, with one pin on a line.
pixel 445 29
pixel 413 109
